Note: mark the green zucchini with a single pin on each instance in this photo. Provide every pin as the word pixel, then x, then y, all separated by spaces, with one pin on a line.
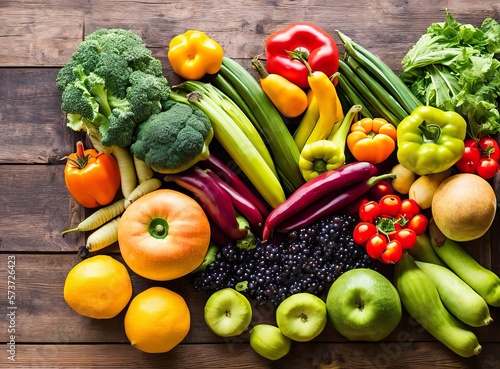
pixel 268 122
pixel 421 300
pixel 458 297
pixel 482 280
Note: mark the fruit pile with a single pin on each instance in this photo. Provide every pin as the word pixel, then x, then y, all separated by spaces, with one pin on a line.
pixel 292 187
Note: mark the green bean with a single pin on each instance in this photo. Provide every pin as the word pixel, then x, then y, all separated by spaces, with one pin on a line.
pixel 382 72
pixel 384 96
pixel 363 89
pixel 354 97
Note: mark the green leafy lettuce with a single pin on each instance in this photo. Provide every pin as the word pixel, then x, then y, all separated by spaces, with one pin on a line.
pixel 455 67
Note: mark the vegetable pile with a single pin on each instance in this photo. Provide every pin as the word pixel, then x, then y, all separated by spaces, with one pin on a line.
pixel 315 164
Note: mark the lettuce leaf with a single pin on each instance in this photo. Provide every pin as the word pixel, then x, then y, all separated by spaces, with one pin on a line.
pixel 455 66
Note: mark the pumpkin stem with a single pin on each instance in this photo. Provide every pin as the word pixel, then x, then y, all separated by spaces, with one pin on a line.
pixel 158 228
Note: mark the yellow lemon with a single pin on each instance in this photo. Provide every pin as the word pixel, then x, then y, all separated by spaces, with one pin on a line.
pixel 157 320
pixel 98 287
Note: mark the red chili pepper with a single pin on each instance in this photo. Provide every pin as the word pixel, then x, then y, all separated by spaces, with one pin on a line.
pixel 310 41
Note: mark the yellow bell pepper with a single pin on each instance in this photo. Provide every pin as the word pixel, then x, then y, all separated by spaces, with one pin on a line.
pixel 193 54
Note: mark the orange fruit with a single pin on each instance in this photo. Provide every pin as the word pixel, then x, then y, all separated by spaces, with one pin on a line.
pixel 163 235
pixel 157 320
pixel 98 287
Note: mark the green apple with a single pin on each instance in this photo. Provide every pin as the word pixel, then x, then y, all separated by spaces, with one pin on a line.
pixel 302 316
pixel 227 312
pixel 268 341
pixel 363 305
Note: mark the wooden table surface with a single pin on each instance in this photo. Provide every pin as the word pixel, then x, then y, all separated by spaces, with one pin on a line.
pixel 37 37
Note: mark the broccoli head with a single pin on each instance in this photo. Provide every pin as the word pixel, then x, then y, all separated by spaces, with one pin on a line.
pixel 174 139
pixel 111 84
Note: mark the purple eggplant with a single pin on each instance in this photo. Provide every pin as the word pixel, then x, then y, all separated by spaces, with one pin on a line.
pixel 230 177
pixel 214 200
pixel 330 204
pixel 246 208
pixel 317 188
pixel 217 235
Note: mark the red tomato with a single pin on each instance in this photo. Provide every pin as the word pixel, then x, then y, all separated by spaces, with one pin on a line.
pixel 369 211
pixel 487 168
pixel 409 208
pixel 379 190
pixel 469 160
pixel 418 223
pixel 363 232
pixel 390 205
pixel 375 246
pixel 406 237
pixel 489 148
pixel 393 252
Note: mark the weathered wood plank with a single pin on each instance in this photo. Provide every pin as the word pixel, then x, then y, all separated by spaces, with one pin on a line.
pixel 35 207
pixel 32 125
pixel 45 33
pixel 313 355
pixel 39 33
pixel 43 315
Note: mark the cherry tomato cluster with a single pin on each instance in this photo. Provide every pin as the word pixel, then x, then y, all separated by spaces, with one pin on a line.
pixel 389 226
pixel 480 157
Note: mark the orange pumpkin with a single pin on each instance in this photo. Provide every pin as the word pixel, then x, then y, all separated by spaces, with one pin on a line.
pixel 163 235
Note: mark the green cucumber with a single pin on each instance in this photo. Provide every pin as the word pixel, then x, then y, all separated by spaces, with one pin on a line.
pixel 458 297
pixel 482 280
pixel 267 121
pixel 421 300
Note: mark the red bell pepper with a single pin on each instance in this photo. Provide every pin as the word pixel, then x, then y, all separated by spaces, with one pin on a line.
pixel 312 42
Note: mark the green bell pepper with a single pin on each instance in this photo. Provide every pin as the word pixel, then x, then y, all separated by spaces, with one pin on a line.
pixel 430 140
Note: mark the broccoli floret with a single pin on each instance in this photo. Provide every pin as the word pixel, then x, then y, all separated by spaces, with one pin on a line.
pixel 125 43
pixel 146 94
pixel 115 71
pixel 77 100
pixel 87 54
pixel 174 139
pixel 113 84
pixel 120 129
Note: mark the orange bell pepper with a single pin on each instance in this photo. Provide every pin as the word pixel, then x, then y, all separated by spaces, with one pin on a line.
pixel 372 140
pixel 92 178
